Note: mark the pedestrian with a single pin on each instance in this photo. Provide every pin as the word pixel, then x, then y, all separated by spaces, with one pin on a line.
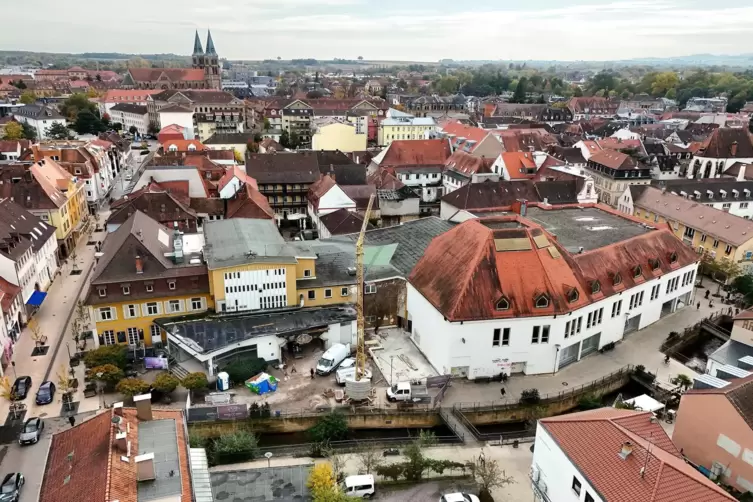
pixel 312 373
pixel 707 293
pixel 502 391
pixel 711 305
pixel 293 370
pixel 698 307
pixel 72 420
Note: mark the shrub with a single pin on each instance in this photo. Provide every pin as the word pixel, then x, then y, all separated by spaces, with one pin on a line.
pixel 117 355
pixel 323 485
pixel 330 427
pixel 166 382
pixel 530 396
pixel 241 370
pixel 485 496
pixel 237 443
pixel 195 381
pixel 391 471
pixel 130 387
pixel 107 373
pixel 197 440
pixel 589 402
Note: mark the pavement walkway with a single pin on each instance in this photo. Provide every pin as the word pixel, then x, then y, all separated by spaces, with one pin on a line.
pixel 640 347
pixel 54 318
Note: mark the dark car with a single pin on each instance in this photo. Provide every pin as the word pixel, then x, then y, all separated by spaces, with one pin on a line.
pixel 21 388
pixel 10 490
pixel 46 393
pixel 32 431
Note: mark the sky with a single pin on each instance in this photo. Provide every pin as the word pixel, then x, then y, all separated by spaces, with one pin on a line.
pixel 418 30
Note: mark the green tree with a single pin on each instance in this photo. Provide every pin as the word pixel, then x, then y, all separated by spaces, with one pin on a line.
pixel 671 94
pixel 28 97
pixel 519 96
pixel 29 132
pixel 663 82
pixel 107 373
pixel 153 129
pixel 267 125
pixel 237 446
pixel 130 387
pixel 13 130
pixel 743 284
pixel 195 381
pixel 133 129
pixel 117 126
pixel 241 370
pixel 117 355
pixel 683 381
pixel 416 464
pixel 88 123
pixel 295 140
pixel 578 92
pixel 58 131
pixel 166 382
pixel 75 104
pixel 330 427
pixel 285 139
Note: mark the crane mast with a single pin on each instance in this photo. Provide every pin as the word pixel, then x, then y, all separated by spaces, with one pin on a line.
pixel 361 336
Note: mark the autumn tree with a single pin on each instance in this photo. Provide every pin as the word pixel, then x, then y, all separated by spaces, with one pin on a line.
pixel 369 459
pixel 195 381
pixel 65 385
pixel 107 373
pixel 28 97
pixel 166 382
pixel 13 131
pixel 489 475
pixel 36 332
pixel 322 484
pixel 663 82
pixel 130 387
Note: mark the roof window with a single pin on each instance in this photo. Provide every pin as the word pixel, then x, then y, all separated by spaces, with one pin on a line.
pixel 617 279
pixel 653 263
pixel 637 272
pixel 595 287
pixel 502 304
pixel 673 257
pixel 542 301
pixel 572 295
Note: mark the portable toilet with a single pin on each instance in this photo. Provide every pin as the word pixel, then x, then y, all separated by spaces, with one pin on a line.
pixel 223 381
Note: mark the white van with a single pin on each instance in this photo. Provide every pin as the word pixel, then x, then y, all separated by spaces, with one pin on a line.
pixel 359 486
pixel 332 358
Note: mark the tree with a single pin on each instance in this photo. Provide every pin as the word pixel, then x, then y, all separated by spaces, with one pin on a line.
pixel 88 123
pixel 683 381
pixel 166 382
pixel 58 131
pixel 238 156
pixel 315 94
pixel 29 132
pixel 130 387
pixel 13 131
pixel 116 355
pixel 330 427
pixel 252 147
pixel 117 126
pixel 64 385
pixel 360 58
pixel 267 126
pixel 258 137
pixel 241 370
pixel 489 475
pixel 519 96
pixel 133 129
pixel 671 94
pixel 285 139
pixel 295 140
pixel 578 92
pixel 28 97
pixel 725 268
pixel 743 284
pixel 75 104
pixel 107 373
pixel 416 462
pixel 195 381
pixel 323 485
pixel 239 445
pixel 663 82
pixel 369 459
pixel 6 392
pixel 36 332
pixel 153 129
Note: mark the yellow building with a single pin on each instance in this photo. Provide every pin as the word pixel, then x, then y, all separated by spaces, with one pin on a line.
pixel 252 268
pixel 146 272
pixel 710 231
pixel 336 134
pixel 65 204
pixel 400 125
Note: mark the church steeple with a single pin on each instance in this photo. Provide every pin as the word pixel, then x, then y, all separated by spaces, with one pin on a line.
pixel 197 50
pixel 210 44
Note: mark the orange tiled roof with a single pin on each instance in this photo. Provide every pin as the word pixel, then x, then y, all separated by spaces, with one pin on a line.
pixel 174 74
pixel 464 131
pixel 416 153
pixel 128 95
pixel 518 163
pixel 183 144
pixel 468 164
pixel 592 441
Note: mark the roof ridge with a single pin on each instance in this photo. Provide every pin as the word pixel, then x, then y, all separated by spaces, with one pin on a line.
pixel 475 259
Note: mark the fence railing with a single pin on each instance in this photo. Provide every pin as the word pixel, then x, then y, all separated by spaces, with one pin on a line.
pixel 417 409
pixel 548 398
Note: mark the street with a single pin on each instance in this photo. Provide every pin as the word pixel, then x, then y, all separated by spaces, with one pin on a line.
pixel 134 160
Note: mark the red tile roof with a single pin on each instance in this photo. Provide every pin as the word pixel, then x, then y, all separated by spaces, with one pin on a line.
pixel 342 222
pixel 416 153
pixel 384 180
pixel 620 144
pixel 518 164
pixel 592 105
pixel 468 164
pixel 613 159
pixel 174 74
pixel 592 441
pixel 236 172
pixel 8 293
pixel 318 189
pixel 172 128
pixel 525 140
pixel 464 131
pixel 728 143
pixel 128 95
pixel 183 145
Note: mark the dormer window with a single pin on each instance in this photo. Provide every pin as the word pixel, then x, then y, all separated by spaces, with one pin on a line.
pixel 637 272
pixel 573 295
pixel 653 263
pixel 102 292
pixel 126 290
pixel 617 279
pixel 673 257
pixel 502 304
pixel 171 285
pixel 542 301
pixel 595 287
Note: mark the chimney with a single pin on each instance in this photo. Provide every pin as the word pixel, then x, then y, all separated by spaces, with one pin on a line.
pixel 733 149
pixel 143 406
pixel 121 441
pixel 145 467
pixel 627 449
pixel 139 265
pixel 117 408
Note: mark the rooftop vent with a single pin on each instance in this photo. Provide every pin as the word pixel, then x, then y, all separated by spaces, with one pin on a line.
pixel 626 450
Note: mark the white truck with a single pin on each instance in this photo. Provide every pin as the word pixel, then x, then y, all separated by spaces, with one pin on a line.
pixel 408 392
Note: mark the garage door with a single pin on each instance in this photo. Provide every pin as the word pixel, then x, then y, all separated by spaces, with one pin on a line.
pixel 590 345
pixel 569 355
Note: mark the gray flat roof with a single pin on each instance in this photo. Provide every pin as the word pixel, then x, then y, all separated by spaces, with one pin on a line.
pixel 238 241
pixel 161 438
pixel 589 228
pixel 206 333
pixel 281 484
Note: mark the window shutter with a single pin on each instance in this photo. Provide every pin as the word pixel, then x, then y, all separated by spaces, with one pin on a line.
pixel 101 340
pixel 141 334
pixel 145 309
pixel 114 313
pixel 125 311
pixel 182 305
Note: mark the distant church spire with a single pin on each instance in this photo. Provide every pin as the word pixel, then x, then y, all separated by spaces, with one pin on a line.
pixel 197 50
pixel 210 44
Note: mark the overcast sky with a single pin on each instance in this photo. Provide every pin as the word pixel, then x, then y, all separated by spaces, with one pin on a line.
pixel 419 30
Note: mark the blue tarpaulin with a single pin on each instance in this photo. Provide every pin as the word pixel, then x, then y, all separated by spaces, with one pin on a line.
pixel 36 298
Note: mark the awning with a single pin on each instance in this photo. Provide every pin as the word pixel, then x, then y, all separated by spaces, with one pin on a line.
pixel 36 298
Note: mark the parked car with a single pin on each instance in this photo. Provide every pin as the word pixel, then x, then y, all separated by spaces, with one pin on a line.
pixel 332 358
pixel 10 490
pixel 46 393
pixel 32 431
pixel 458 497
pixel 21 388
pixel 359 486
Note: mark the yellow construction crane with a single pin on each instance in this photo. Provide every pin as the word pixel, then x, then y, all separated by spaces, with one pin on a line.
pixel 361 349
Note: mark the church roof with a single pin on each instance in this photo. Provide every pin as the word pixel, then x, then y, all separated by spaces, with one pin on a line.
pixel 197 45
pixel 210 44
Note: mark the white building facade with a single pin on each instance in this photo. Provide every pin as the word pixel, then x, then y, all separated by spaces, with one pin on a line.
pixel 131 116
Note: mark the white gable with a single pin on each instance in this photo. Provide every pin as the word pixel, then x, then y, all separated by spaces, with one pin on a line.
pixel 333 200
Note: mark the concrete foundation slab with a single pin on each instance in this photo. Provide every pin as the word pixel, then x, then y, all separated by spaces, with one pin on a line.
pixel 398 358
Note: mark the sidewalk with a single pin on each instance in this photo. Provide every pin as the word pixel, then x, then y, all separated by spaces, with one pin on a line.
pixel 54 317
pixel 640 347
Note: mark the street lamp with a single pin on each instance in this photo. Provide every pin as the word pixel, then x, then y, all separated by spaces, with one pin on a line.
pixel 269 458
pixel 391 357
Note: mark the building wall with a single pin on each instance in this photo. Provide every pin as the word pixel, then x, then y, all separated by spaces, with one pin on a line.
pixel 556 471
pixel 711 432
pixel 183 119
pixel 388 133
pixel 238 147
pixel 143 321
pixel 39 125
pixel 218 284
pixel 321 298
pixel 715 167
pixel 742 331
pixel 467 349
pixel 339 137
pixel 131 119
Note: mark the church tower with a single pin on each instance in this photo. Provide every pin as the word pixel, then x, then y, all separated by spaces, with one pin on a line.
pixel 198 53
pixel 211 65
